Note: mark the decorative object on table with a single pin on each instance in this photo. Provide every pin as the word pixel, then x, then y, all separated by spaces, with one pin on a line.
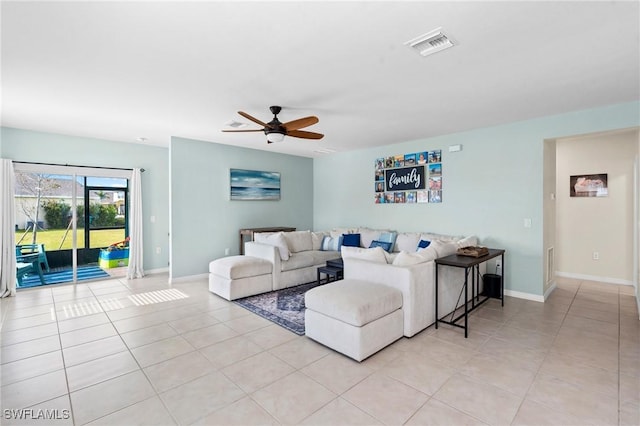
pixel 409 178
pixel 588 185
pixel 473 251
pixel 284 307
pixel 254 185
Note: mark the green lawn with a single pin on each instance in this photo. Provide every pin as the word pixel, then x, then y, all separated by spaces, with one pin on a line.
pixel 52 238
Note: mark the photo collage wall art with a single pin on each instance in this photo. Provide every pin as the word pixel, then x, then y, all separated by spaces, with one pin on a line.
pixel 409 178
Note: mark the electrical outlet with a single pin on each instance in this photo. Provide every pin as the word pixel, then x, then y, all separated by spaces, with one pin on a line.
pixel 596 255
pixel 158 250
pixel 226 251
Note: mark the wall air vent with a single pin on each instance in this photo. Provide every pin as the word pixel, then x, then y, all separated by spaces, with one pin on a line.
pixel 430 43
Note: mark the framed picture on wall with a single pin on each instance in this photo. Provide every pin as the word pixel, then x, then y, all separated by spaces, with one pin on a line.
pixel 254 185
pixel 594 185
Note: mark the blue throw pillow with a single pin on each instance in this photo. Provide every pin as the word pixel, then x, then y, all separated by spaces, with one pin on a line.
pixel 386 246
pixel 423 244
pixel 331 244
pixel 351 240
pixel 388 237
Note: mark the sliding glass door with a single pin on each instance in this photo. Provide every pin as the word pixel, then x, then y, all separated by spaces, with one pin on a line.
pixel 75 219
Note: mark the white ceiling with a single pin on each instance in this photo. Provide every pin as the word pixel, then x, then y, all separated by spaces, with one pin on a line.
pixel 119 71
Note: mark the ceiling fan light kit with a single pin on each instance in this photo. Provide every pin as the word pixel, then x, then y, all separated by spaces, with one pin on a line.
pixel 273 136
pixel 276 130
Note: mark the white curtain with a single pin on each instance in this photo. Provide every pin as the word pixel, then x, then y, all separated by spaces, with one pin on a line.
pixel 135 269
pixel 7 229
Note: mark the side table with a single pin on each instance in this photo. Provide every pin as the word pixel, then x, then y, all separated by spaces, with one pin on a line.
pixel 334 269
pixel 468 263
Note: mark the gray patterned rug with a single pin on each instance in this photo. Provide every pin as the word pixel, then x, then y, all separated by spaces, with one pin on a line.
pixel 284 307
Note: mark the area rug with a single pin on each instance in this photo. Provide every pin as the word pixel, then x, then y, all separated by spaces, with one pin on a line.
pixel 284 307
pixel 66 276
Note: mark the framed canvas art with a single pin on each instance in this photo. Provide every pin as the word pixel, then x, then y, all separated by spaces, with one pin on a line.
pixel 252 185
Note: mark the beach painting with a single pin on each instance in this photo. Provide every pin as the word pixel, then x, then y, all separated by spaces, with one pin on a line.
pixel 251 185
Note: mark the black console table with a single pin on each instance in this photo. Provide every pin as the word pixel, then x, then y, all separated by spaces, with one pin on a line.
pixel 468 263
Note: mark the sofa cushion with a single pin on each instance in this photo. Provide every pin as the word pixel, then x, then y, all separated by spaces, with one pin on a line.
pixel 407 241
pixel 298 260
pixel 275 239
pixel 320 257
pixel 367 236
pixel 299 241
pixel 338 232
pixel 316 239
pixel 354 302
pixel 331 243
pixel 407 258
pixel 234 267
pixel 443 248
pixel 430 237
pixel 351 240
pixel 376 254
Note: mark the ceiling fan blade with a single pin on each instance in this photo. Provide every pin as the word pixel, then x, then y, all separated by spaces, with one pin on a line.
pixel 300 123
pixel 304 134
pixel 257 130
pixel 255 120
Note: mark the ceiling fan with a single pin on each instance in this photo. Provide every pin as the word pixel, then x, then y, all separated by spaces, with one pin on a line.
pixel 276 131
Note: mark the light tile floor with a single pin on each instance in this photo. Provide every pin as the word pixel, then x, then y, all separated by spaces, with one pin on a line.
pixel 90 355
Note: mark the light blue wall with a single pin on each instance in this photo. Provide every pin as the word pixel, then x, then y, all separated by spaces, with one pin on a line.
pixel 204 222
pixel 25 145
pixel 488 188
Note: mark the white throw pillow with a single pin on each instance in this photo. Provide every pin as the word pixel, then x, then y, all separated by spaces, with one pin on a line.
pixel 367 236
pixel 279 241
pixel 444 248
pixel 407 241
pixel 428 253
pixel 468 242
pixel 376 254
pixel 405 258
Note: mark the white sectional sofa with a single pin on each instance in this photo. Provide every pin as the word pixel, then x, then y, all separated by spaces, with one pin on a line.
pixel 413 273
pixel 295 255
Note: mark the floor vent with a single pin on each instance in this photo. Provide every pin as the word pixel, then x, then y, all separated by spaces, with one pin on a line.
pixel 550 265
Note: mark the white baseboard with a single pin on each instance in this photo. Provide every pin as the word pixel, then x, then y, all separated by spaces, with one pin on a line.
pixel 605 280
pixel 188 278
pixel 156 271
pixel 521 295
pixel 550 290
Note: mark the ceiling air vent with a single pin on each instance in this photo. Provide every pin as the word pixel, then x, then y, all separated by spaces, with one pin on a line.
pixel 235 124
pixel 430 43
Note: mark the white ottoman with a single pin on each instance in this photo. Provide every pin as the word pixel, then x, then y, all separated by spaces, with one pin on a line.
pixel 354 317
pixel 234 277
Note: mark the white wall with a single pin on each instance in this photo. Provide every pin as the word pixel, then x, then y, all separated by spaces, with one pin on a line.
pixel 489 188
pixel 596 224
